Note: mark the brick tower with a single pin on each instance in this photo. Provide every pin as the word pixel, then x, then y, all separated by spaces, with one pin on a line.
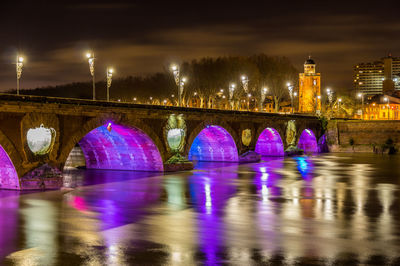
pixel 309 88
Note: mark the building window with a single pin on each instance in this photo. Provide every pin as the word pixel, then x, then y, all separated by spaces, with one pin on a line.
pixel 315 82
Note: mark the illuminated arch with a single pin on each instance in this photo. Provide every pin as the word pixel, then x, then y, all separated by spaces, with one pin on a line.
pixel 8 174
pixel 120 148
pixel 269 143
pixel 214 144
pixel 308 141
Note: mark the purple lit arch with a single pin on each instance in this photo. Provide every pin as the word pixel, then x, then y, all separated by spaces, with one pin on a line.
pixel 269 143
pixel 121 148
pixel 8 174
pixel 214 144
pixel 308 141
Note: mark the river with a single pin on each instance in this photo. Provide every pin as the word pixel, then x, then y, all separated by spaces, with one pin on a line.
pixel 321 210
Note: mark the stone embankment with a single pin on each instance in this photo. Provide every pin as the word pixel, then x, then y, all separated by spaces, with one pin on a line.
pixel 363 136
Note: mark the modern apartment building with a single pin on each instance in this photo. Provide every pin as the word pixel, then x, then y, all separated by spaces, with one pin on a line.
pixel 377 77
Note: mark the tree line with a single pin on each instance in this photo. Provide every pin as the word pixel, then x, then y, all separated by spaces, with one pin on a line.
pixel 206 77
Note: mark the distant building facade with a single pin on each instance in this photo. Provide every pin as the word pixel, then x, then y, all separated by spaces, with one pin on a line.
pixel 309 88
pixel 381 107
pixel 379 77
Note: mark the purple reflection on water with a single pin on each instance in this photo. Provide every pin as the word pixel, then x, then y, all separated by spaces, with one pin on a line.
pixel 119 203
pixel 214 144
pixel 122 148
pixel 308 141
pixel 8 175
pixel 269 143
pixel 9 208
pixel 209 195
pixel 266 178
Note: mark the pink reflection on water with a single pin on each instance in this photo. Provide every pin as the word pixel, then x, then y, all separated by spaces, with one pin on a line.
pixel 214 144
pixel 121 148
pixel 209 193
pixel 269 143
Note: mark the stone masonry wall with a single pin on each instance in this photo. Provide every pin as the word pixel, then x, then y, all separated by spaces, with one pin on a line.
pixel 366 135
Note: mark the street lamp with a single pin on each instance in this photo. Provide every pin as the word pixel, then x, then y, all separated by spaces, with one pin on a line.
pixel 245 83
pixel 387 105
pixel 290 88
pixel 90 57
pixel 318 98
pixel 180 82
pixel 330 95
pixel 231 91
pixel 19 66
pixel 339 101
pixel 109 73
pixel 263 93
pixel 361 95
pixel 248 101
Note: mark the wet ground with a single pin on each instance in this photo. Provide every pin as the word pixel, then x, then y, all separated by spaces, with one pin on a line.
pixel 331 209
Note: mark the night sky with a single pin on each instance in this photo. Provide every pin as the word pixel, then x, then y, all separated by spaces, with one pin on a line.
pixel 139 37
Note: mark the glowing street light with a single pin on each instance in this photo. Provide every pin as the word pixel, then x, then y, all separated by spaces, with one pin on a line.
pixel 263 94
pixel 245 83
pixel 330 95
pixel 290 88
pixel 19 65
pixel 109 73
pixel 180 82
pixel 90 57
pixel 231 91
pixel 387 105
pixel 361 95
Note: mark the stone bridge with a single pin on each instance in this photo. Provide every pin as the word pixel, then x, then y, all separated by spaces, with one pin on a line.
pixel 39 136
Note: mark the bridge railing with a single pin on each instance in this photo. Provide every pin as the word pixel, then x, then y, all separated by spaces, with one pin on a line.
pixel 99 103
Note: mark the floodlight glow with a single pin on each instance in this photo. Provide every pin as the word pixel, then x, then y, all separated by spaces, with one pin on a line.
pixel 214 144
pixel 8 174
pixel 308 141
pixel 88 55
pixel 20 59
pixel 269 143
pixel 122 148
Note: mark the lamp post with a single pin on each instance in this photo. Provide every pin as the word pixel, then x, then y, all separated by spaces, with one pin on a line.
pixel 339 101
pixel 109 73
pixel 387 105
pixel 231 91
pixel 245 83
pixel 90 57
pixel 330 95
pixel 361 95
pixel 180 82
pixel 248 101
pixel 290 88
pixel 263 93
pixel 19 66
pixel 317 98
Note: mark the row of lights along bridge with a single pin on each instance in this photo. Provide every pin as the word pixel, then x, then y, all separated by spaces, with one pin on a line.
pixel 180 82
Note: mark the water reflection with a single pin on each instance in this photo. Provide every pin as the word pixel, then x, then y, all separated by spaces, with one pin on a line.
pixel 327 209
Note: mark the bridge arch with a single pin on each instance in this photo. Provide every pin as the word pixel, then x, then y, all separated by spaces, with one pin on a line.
pixel 213 142
pixel 8 160
pixel 308 141
pixel 119 145
pixel 269 143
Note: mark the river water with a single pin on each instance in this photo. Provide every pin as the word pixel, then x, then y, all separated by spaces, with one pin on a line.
pixel 329 209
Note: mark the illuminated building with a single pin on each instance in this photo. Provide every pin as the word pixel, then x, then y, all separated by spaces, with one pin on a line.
pixel 382 107
pixel 309 88
pixel 379 77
